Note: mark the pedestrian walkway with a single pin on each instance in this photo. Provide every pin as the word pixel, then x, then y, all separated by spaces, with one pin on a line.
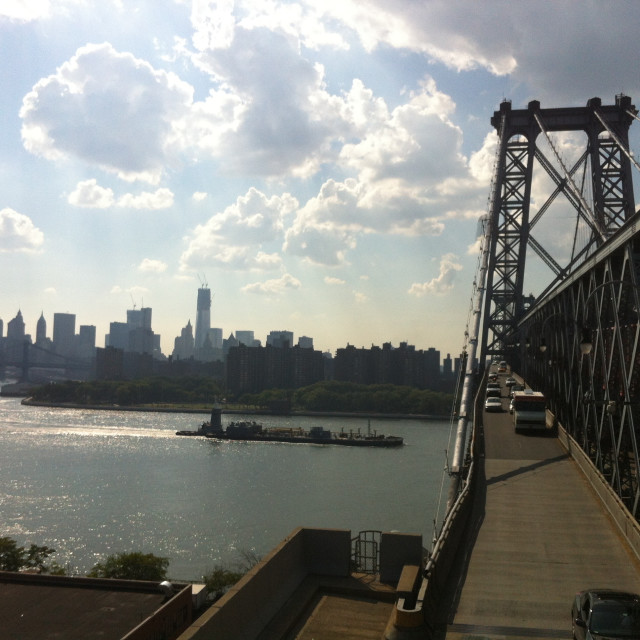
pixel 539 535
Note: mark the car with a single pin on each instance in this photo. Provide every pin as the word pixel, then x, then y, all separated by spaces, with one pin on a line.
pixel 598 613
pixel 493 385
pixel 510 381
pixel 514 388
pixel 493 392
pixel 493 404
pixel 493 377
pixel 511 405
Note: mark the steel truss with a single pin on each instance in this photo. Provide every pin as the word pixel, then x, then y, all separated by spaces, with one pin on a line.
pixel 610 182
pixel 595 395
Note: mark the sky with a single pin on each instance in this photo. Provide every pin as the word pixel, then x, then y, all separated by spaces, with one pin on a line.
pixel 320 166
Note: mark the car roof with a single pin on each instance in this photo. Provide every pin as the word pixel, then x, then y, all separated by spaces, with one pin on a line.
pixel 603 595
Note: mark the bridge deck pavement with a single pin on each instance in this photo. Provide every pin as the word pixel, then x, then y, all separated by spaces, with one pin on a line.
pixel 539 535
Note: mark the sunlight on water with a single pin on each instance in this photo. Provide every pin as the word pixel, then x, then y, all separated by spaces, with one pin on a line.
pixel 90 483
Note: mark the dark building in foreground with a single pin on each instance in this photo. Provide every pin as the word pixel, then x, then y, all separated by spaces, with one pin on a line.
pixel 36 606
pixel 254 369
pixel 404 365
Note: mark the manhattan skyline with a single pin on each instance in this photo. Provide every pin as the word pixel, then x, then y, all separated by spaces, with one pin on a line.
pixel 322 167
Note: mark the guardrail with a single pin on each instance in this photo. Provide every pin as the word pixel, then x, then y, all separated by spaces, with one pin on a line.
pixel 422 609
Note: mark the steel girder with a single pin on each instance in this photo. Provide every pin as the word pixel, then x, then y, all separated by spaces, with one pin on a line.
pixel 610 184
pixel 595 395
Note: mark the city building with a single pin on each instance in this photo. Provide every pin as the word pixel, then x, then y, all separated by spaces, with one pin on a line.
pixel 280 339
pixel 203 318
pixel 41 330
pixel 135 335
pixel 15 328
pixel 254 369
pixel 64 331
pixel 404 365
pixel 183 345
pixel 86 342
pixel 246 338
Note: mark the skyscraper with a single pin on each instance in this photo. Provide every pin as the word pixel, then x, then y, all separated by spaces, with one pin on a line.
pixel 41 330
pixel 203 317
pixel 64 330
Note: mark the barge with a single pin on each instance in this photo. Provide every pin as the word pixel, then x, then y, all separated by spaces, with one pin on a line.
pixel 254 432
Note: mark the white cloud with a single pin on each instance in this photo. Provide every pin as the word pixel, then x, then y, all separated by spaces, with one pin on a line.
pixel 133 290
pixel 152 266
pixel 90 194
pixel 273 287
pixel 443 282
pixel 159 199
pixel 108 109
pixel 199 196
pixel 234 238
pixel 334 281
pixel 25 10
pixel 18 233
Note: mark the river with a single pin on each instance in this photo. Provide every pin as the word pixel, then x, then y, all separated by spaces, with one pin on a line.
pixel 91 483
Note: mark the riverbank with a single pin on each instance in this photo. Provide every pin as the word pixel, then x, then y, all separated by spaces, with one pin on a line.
pixel 242 411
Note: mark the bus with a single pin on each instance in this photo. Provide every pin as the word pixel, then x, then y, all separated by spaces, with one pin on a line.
pixel 529 410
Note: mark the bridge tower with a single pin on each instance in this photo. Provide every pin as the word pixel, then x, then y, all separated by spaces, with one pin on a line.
pixel 598 186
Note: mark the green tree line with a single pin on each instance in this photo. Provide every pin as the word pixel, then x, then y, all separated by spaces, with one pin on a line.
pixel 133 565
pixel 322 396
pixel 187 390
pixel 350 397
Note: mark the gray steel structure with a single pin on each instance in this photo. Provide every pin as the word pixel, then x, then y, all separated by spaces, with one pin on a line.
pixel 604 173
pixel 579 341
pixel 580 346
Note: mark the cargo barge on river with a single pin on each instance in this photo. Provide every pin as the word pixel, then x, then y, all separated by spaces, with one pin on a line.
pixel 254 432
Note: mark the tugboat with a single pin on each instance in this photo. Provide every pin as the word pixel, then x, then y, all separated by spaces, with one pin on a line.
pixel 255 432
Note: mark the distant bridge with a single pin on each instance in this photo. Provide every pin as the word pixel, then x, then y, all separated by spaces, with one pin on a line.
pixel 28 356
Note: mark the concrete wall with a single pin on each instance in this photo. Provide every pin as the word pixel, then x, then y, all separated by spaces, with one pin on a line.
pixel 247 608
pixel 396 551
pixel 167 622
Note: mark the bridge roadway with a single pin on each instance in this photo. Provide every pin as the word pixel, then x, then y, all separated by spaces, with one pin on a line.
pixel 539 534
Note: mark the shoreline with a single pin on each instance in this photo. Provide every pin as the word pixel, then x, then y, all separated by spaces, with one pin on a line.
pixel 257 412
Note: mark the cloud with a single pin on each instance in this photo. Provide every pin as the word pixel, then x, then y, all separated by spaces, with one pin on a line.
pixel 273 287
pixel 199 196
pixel 18 233
pixel 334 281
pixel 24 10
pixel 90 195
pixel 444 280
pixel 108 109
pixel 133 290
pixel 235 237
pixel 152 266
pixel 159 199
pixel 283 118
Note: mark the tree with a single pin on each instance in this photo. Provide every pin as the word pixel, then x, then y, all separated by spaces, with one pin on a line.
pixel 219 579
pixel 15 558
pixel 131 566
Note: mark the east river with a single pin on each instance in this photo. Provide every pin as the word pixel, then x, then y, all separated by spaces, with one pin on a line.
pixel 92 483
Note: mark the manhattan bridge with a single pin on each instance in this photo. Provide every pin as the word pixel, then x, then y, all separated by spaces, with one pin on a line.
pixel 562 203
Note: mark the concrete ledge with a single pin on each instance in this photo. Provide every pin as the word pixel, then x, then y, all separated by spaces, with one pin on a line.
pixel 625 522
pixel 275 593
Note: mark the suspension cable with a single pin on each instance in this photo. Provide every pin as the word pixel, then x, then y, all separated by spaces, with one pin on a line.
pixel 594 223
pixel 471 335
